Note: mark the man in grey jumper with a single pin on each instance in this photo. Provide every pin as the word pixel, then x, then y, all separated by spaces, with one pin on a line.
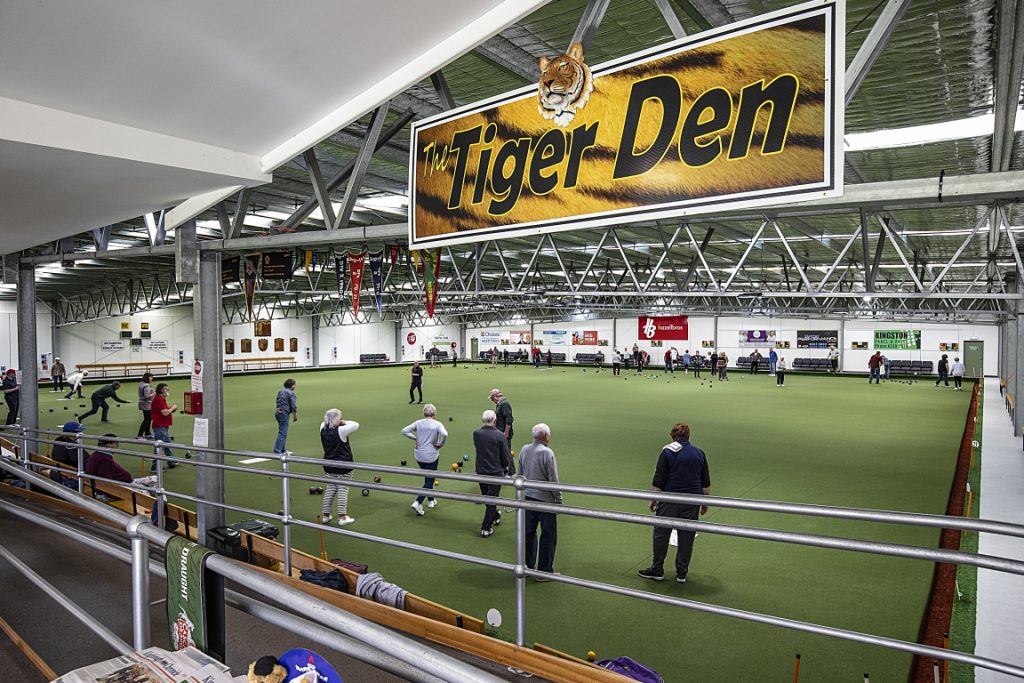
pixel 493 459
pixel 537 463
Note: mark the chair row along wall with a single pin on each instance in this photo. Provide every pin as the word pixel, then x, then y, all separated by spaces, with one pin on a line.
pixel 166 335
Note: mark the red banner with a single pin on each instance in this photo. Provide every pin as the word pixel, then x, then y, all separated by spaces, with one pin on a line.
pixel 393 252
pixel 355 270
pixel 668 327
pixel 584 338
pixel 431 273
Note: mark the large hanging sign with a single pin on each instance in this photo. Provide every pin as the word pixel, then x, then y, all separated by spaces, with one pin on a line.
pixel 748 114
pixel 897 339
pixel 664 327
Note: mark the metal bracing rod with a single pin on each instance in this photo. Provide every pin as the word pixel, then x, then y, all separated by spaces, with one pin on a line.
pixel 622 252
pixel 94 625
pixel 1011 238
pixel 839 258
pixel 986 217
pixel 884 222
pixel 221 209
pixel 671 260
pixel 792 256
pixel 661 259
pixel 561 265
pixel 590 264
pixel 241 206
pixel 153 230
pixel 529 268
pixel 101 237
pixel 323 197
pixel 746 253
pixel 589 22
pixel 873 271
pixel 300 214
pixel 362 163
pixel 873 45
pixel 1009 70
pixel 455 270
pixel 444 93
pixel 699 249
pixel 671 20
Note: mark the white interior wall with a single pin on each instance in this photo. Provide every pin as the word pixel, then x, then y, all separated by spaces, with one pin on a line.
pixel 426 336
pixel 9 335
pixel 931 335
pixel 280 328
pixel 170 327
pixel 342 345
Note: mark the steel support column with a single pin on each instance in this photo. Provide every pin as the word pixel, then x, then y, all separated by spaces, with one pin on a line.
pixel 1016 331
pixel 314 340
pixel 209 349
pixel 28 362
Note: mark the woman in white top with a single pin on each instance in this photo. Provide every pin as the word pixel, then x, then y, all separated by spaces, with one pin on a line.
pixel 780 372
pixel 958 371
pixel 429 435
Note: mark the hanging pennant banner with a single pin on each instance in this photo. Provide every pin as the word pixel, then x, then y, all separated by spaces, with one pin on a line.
pixel 356 263
pixel 309 260
pixel 229 269
pixel 393 251
pixel 416 259
pixel 431 271
pixel 341 272
pixel 742 115
pixel 277 265
pixel 376 271
pixel 250 263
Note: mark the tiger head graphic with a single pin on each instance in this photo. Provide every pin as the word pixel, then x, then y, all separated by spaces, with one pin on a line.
pixel 565 86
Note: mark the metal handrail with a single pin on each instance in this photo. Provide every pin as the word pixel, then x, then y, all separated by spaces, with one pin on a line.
pixel 521 572
pixel 806 509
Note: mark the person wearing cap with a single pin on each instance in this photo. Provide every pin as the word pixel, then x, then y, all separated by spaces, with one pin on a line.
pixel 65 446
pixel 75 383
pixel 503 412
pixel 12 394
pixel 57 372
pixel 99 401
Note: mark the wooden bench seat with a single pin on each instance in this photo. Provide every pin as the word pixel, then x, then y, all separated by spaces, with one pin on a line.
pixel 267 363
pixel 157 367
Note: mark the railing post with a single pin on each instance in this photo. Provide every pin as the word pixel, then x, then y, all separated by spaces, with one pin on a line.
pixel 286 508
pixel 140 585
pixel 24 446
pixel 161 498
pixel 520 570
pixel 81 468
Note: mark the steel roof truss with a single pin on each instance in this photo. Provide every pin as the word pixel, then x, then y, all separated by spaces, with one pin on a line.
pixel 986 218
pixel 873 45
pixel 746 253
pixel 361 164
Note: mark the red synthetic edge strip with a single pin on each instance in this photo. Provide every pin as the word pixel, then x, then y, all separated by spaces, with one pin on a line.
pixel 939 613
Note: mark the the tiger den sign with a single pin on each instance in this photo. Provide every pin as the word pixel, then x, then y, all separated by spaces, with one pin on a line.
pixel 744 115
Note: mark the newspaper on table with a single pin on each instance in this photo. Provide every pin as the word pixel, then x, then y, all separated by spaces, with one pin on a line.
pixel 154 665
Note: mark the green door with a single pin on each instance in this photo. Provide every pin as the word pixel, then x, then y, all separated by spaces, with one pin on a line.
pixel 974 358
pixel 474 345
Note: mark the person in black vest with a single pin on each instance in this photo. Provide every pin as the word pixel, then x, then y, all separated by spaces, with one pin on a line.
pixel 417 381
pixel 12 394
pixel 682 468
pixel 334 433
pixel 943 370
pixel 493 459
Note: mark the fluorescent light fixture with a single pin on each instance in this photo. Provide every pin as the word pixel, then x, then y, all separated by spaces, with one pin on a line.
pixel 973 127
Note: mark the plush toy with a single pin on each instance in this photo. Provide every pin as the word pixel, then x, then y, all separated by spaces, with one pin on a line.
pixel 266 670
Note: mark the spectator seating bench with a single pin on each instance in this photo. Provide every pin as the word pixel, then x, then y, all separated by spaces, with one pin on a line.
pixel 268 363
pixel 370 358
pixel 587 358
pixel 440 355
pixel 811 365
pixel 159 368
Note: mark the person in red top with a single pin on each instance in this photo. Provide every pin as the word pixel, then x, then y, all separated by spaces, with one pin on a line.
pixel 162 421
pixel 873 364
pixel 102 464
pixel 668 362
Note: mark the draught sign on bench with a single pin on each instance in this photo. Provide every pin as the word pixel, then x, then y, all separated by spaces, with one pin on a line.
pixel 195 599
pixel 749 114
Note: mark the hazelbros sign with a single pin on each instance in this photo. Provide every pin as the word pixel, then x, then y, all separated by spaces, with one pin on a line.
pixel 743 115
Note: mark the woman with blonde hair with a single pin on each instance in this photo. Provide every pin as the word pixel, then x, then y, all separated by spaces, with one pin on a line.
pixel 334 433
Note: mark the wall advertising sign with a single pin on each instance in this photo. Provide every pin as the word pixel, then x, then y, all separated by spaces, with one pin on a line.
pixel 491 337
pixel 817 339
pixel 520 337
pixel 117 345
pixel 162 345
pixel 555 337
pixel 672 327
pixel 584 338
pixel 747 114
pixel 757 338
pixel 897 339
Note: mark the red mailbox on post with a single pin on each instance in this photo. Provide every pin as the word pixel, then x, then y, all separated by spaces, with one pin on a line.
pixel 193 403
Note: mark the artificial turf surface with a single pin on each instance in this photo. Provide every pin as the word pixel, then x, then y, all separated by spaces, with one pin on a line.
pixel 825 440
